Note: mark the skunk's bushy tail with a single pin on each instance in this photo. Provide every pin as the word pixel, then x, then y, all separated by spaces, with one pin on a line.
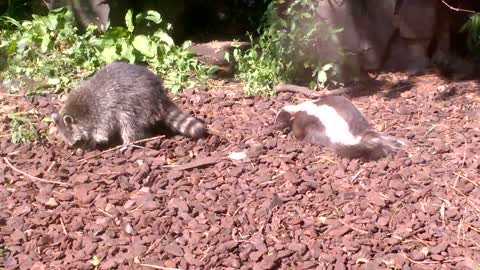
pixel 373 146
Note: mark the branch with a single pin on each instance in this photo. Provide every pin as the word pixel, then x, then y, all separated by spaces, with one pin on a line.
pixel 200 162
pixel 33 177
pixel 312 94
pixel 457 9
pixel 295 89
pixel 120 146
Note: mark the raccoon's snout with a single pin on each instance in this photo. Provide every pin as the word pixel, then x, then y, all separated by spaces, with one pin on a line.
pixel 69 143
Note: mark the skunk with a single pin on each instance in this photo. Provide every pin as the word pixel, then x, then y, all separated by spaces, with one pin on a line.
pixel 335 122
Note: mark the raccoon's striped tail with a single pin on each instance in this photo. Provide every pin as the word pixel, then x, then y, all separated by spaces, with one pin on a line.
pixel 185 124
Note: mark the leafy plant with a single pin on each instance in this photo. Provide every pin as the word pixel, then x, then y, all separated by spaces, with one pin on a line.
pixel 22 129
pixel 49 50
pixel 176 64
pixel 19 8
pixel 472 28
pixel 3 250
pixel 260 67
pixel 286 48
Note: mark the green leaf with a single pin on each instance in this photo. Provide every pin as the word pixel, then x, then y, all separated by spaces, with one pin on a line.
pixel 126 51
pixel 153 16
pixel 123 47
pixel 52 22
pixel 164 37
pixel 306 15
pixel 109 54
pixel 143 45
pixel 53 81
pixel 226 56
pixel 337 30
pixel 129 21
pixel 44 45
pixel 12 47
pixel 90 29
pixel 327 67
pixel 47 119
pixel 322 77
pixel 283 23
pixel 186 44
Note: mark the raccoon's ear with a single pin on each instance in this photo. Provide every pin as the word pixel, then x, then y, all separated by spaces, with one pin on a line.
pixel 68 120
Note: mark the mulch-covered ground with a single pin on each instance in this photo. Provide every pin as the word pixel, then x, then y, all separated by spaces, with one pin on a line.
pixel 283 205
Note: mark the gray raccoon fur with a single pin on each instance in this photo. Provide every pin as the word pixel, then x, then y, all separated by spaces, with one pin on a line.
pixel 124 101
pixel 335 122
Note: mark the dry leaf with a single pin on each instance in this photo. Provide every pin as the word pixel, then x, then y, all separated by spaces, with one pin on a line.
pixel 424 251
pixel 362 260
pixel 237 155
pixel 51 202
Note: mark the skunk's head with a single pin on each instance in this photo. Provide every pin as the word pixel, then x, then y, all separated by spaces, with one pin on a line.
pixel 283 120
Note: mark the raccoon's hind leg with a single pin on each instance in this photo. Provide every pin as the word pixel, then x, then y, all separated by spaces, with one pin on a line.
pixel 130 135
pixel 129 132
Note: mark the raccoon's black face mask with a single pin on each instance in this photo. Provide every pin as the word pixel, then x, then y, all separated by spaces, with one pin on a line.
pixel 68 130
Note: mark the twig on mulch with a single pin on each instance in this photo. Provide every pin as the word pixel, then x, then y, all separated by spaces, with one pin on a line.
pixel 63 227
pixel 418 262
pixel 295 89
pixel 323 158
pixel 469 201
pixel 105 212
pixel 51 166
pixel 158 266
pixel 234 232
pixel 140 147
pixel 464 153
pixel 11 95
pixel 205 254
pixel 34 177
pixel 152 246
pixel 310 93
pixel 335 92
pixel 466 178
pixel 356 175
pixel 454 260
pixel 197 163
pixel 353 227
pixel 119 147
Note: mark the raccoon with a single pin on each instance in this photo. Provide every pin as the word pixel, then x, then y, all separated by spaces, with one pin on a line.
pixel 123 101
pixel 335 122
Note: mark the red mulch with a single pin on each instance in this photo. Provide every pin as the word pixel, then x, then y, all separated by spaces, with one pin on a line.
pixel 286 205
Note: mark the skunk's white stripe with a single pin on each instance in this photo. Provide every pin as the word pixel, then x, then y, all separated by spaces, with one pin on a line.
pixel 336 127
